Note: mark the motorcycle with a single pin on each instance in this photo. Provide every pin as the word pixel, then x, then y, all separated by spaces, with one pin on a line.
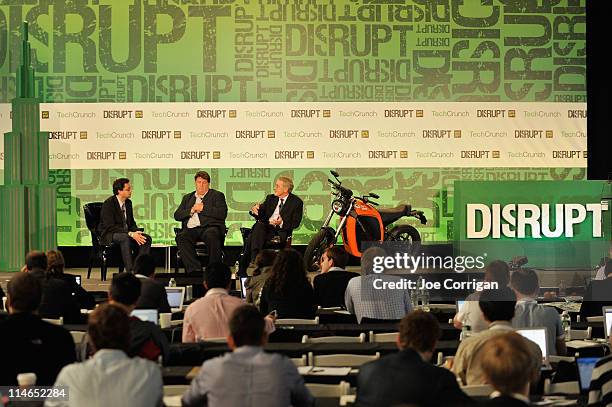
pixel 361 221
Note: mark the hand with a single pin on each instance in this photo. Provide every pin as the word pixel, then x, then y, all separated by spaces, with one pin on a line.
pixel 139 238
pixel 197 208
pixel 277 221
pixel 255 209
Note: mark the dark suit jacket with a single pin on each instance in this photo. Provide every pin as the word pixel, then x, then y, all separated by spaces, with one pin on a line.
pixel 213 214
pixel 291 213
pixel 329 287
pixel 152 295
pixel 404 377
pixel 111 219
pixel 57 299
pixel 598 294
pixel 28 344
pixel 83 297
pixel 296 302
pixel 504 401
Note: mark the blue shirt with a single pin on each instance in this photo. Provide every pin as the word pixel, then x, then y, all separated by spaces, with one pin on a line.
pixel 364 300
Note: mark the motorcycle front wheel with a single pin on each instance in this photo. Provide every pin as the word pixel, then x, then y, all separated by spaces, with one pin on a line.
pixel 317 245
pixel 409 235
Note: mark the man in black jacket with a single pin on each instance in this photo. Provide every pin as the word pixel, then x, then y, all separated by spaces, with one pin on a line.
pixel 330 285
pixel 407 377
pixel 598 294
pixel 202 214
pixel 117 224
pixel 278 215
pixel 152 293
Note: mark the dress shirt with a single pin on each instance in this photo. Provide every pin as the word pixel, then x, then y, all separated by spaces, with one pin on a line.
pixel 363 300
pixel 194 221
pixel 208 317
pixel 111 378
pixel 529 314
pixel 471 314
pixel 248 377
pixel 278 208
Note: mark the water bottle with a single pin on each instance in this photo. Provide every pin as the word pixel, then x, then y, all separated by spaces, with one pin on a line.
pixel 425 299
pixel 172 282
pixel 562 288
pixel 419 292
pixel 466 332
pixel 566 321
pixel 236 268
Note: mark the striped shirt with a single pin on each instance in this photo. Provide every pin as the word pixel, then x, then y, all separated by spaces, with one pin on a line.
pixel 600 392
pixel 363 299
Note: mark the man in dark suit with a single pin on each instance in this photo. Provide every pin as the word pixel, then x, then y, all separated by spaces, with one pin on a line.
pixel 202 214
pixel 330 285
pixel 152 293
pixel 407 377
pixel 117 224
pixel 598 294
pixel 27 343
pixel 278 215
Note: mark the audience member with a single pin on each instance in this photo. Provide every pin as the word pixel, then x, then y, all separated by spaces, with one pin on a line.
pixel 152 293
pixel 408 377
pixel 601 271
pixel 330 285
pixel 600 391
pixel 111 377
pixel 508 367
pixel 57 299
pixel 248 376
pixel 598 294
pixel 363 299
pixel 55 269
pixel 497 271
pixel 497 307
pixel 27 343
pixel 2 295
pixel 255 283
pixel 207 317
pixel 288 290
pixel 530 314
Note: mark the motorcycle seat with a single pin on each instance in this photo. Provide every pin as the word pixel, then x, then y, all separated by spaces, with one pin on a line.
pixel 390 215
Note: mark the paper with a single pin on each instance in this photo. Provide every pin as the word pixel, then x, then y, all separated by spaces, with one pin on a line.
pixel 343 312
pixel 329 371
pixel 303 370
pixel 172 401
pixel 576 344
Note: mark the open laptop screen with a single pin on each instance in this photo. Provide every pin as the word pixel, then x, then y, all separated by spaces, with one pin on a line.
pixel 243 286
pixel 607 314
pixel 585 372
pixel 78 279
pixel 460 305
pixel 146 315
pixel 176 296
pixel 537 335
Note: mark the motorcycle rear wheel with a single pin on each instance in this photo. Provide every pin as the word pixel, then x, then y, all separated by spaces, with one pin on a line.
pixel 317 245
pixel 408 234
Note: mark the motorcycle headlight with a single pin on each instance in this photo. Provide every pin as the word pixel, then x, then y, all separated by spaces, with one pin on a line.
pixel 338 207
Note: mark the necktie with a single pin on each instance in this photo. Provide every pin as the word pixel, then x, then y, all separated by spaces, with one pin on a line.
pixel 124 214
pixel 280 206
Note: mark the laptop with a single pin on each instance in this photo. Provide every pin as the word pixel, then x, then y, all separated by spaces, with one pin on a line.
pixel 585 372
pixel 537 335
pixel 146 315
pixel 243 286
pixel 607 317
pixel 176 296
pixel 460 305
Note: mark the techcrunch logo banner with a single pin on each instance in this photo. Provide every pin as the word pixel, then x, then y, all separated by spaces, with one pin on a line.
pixel 554 224
pixel 314 135
pixel 328 50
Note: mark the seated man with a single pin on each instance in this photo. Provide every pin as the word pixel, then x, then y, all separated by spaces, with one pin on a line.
pixel 508 367
pixel 152 293
pixel 407 377
pixel 110 378
pixel 600 391
pixel 330 285
pixel 147 339
pixel 497 307
pixel 601 271
pixel 278 215
pixel 530 314
pixel 27 343
pixel 248 375
pixel 208 316
pixel 202 215
pixel 363 299
pixel 117 224
pixel 598 294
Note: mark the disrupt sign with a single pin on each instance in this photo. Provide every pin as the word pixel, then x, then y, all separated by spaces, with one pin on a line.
pixel 512 220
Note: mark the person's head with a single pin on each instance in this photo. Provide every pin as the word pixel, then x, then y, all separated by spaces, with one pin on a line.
pixel 419 331
pixel 287 269
pixel 334 256
pixel 55 262
pixel 24 293
pixel 202 182
pixel 124 290
pixel 108 327
pixel 122 188
pixel 265 258
pixel 283 186
pixel 145 265
pixel 370 257
pixel 36 259
pixel 507 363
pixel 608 268
pixel 525 283
pixel 218 275
pixel 497 271
pixel 247 328
pixel 497 305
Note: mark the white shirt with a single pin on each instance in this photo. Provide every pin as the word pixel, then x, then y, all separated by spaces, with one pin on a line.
pixel 194 221
pixel 111 378
pixel 601 273
pixel 276 212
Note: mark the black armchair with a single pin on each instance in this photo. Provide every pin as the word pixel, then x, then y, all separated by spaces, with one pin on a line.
pixel 201 250
pixel 99 251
